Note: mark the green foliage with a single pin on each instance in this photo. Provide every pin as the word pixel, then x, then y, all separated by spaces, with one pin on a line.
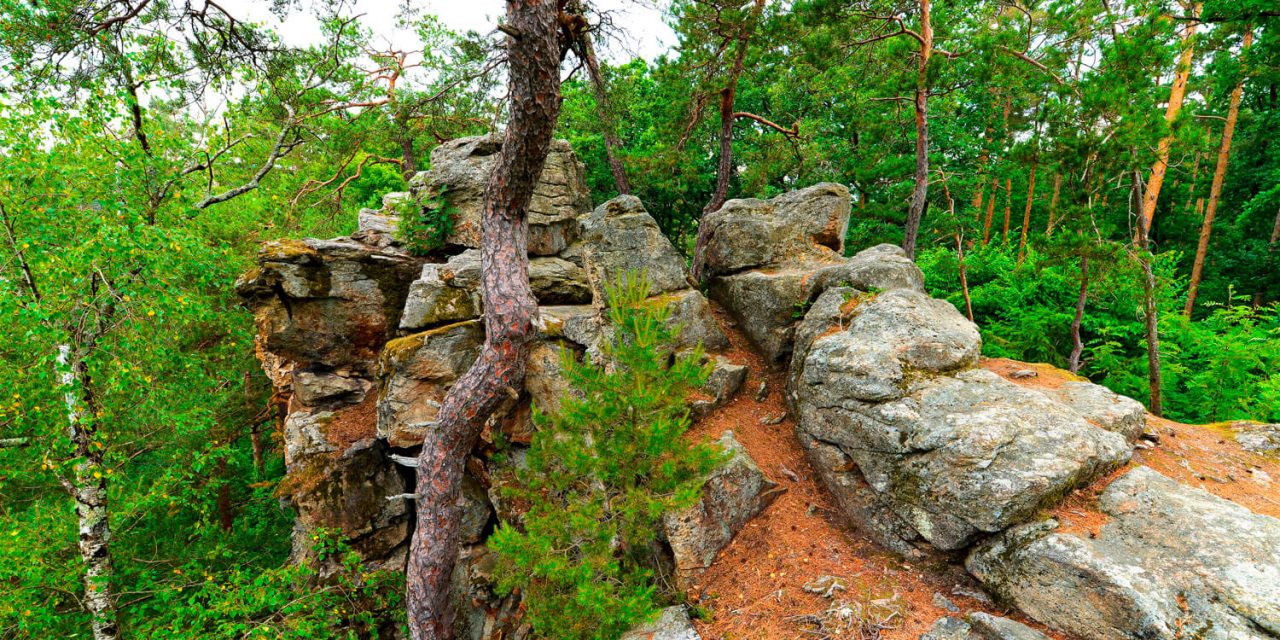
pixel 600 473
pixel 424 224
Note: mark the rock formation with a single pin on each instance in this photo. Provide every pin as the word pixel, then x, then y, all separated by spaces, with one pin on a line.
pixel 363 340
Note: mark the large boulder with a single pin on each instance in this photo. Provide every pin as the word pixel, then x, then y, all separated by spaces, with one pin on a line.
pixel 916 444
pixel 1171 562
pixel 414 374
pixel 981 626
pixel 459 175
pixel 732 495
pixel 618 237
pixel 801 226
pixel 327 304
pixel 1101 406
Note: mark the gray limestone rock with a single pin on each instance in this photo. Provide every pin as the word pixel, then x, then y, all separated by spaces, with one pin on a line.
pixel 732 495
pixel 1173 562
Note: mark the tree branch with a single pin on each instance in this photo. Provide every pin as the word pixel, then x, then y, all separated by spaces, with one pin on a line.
pixel 793 132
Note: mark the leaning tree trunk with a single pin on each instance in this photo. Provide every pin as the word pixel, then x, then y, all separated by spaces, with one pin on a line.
pixel 1215 189
pixel 89 490
pixel 533 58
pixel 725 168
pixel 1026 214
pixel 921 192
pixel 991 211
pixel 1176 95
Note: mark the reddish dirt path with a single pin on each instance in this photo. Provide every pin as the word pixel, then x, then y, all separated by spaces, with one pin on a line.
pixel 755 588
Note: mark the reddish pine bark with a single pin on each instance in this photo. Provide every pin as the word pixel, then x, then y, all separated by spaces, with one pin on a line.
pixel 1215 189
pixel 533 54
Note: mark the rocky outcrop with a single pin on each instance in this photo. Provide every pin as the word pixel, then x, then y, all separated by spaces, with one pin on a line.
pixel 1101 406
pixel 920 448
pixel 768 260
pixel 1172 562
pixel 460 172
pixel 1258 438
pixel 732 495
pixel 363 340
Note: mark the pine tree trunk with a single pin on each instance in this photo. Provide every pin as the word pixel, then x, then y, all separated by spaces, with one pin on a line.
pixel 1151 314
pixel 89 490
pixel 1053 203
pixel 609 117
pixel 921 192
pixel 1176 95
pixel 1215 189
pixel 725 168
pixel 533 58
pixel 1077 344
pixel 1191 190
pixel 991 211
pixel 1026 214
pixel 1008 208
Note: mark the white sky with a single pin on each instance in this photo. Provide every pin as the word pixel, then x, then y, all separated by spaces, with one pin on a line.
pixel 643 31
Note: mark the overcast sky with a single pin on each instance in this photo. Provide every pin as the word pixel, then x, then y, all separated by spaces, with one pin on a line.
pixel 643 31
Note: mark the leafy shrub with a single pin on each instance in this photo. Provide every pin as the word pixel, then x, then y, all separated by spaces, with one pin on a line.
pixel 601 472
pixel 425 223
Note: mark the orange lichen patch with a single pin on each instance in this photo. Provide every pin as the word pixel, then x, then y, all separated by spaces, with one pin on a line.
pixel 755 589
pixel 352 424
pixel 1047 376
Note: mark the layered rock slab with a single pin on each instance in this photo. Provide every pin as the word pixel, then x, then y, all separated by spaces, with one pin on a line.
pixel 1172 562
pixel 920 448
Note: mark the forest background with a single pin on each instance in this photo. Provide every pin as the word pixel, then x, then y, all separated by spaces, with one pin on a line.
pixel 1076 170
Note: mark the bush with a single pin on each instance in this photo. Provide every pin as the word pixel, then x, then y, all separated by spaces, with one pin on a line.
pixel 424 224
pixel 601 472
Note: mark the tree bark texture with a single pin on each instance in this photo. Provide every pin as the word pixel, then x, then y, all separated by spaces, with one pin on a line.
pixel 1176 95
pixel 1215 189
pixel 921 192
pixel 1053 204
pixel 1008 208
pixel 1077 344
pixel 89 490
pixel 533 55
pixel 991 210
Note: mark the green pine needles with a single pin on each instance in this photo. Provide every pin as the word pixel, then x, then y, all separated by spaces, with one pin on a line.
pixel 600 474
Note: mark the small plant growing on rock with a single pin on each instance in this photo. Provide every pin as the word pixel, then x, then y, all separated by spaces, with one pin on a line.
pixel 601 472
pixel 424 224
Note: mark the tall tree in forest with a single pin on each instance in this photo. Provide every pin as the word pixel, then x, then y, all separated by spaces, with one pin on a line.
pixel 920 102
pixel 1150 196
pixel 585 48
pixel 740 41
pixel 538 33
pixel 1219 174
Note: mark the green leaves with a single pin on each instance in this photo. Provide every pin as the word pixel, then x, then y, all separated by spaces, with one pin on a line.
pixel 600 473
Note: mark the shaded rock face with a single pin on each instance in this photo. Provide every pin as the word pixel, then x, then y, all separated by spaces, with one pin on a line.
pixel 919 447
pixel 326 304
pixel 732 495
pixel 1173 562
